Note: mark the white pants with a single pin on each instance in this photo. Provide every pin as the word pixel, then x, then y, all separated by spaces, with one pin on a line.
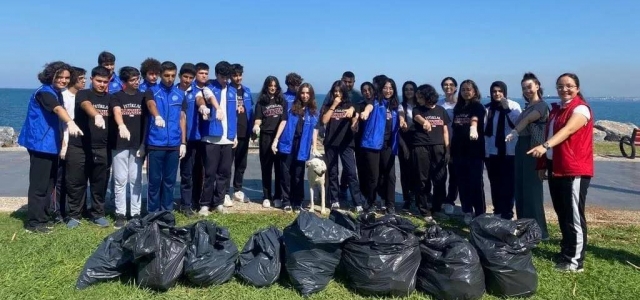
pixel 127 168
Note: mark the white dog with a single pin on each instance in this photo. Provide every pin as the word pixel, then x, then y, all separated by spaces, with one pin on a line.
pixel 316 176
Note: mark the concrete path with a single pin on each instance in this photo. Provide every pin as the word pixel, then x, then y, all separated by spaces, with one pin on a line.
pixel 616 184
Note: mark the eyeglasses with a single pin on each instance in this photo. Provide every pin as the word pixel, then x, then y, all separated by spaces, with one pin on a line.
pixel 568 87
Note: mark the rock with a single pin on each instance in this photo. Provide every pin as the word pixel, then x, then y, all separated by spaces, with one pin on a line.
pixel 614 130
pixel 8 137
pixel 599 135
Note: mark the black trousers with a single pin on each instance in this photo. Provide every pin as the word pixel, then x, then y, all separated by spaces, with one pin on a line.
pixel 292 178
pixel 380 175
pixel 269 162
pixel 569 195
pixel 43 171
pixel 217 172
pixel 431 171
pixel 58 202
pixel 406 165
pixel 361 167
pixel 501 173
pixel 452 189
pixel 240 153
pixel 191 175
pixel 82 165
pixel 471 184
pixel 348 159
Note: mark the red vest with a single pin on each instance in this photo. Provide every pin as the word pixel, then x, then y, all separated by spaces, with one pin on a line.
pixel 574 156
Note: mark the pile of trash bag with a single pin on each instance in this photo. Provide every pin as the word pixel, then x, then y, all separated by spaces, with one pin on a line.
pixel 313 247
pixel 504 247
pixel 385 257
pixel 211 256
pixel 450 267
pixel 261 259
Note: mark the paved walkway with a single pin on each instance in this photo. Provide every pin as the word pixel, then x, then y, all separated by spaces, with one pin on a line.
pixel 616 185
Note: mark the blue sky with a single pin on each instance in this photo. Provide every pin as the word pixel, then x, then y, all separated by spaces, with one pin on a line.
pixel 423 41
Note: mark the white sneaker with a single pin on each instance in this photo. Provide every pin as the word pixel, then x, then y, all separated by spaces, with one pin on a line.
pixel 448 209
pixel 359 209
pixel 204 211
pixel 266 203
pixel 221 210
pixel 335 205
pixel 277 203
pixel 468 218
pixel 239 196
pixel 227 201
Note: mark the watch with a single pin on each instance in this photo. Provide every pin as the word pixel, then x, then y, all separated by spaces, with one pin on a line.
pixel 546 145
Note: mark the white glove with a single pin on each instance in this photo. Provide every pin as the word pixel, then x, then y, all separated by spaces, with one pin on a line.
pixel 204 111
pixel 63 151
pixel 98 120
pixel 141 151
pixel 124 132
pixel 473 133
pixel 512 135
pixel 73 129
pixel 274 146
pixel 315 152
pixel 256 129
pixel 219 115
pixel 235 143
pixel 159 121
pixel 183 151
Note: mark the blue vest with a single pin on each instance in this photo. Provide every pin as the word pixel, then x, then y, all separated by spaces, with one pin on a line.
pixel 286 138
pixel 373 134
pixel 169 104
pixel 247 100
pixel 289 96
pixel 41 129
pixel 213 127
pixel 193 130
pixel 115 84
pixel 144 86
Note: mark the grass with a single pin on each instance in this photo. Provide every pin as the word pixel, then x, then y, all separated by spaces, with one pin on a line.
pixel 46 267
pixel 607 148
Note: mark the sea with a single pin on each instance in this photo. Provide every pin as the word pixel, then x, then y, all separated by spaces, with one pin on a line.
pixel 14 107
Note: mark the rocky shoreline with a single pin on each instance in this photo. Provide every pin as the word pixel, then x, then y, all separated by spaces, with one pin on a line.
pixel 605 130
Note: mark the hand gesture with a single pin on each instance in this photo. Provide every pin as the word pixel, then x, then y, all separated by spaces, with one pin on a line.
pixel 124 132
pixel 183 151
pixel 473 133
pixel 74 130
pixel 159 121
pixel 98 120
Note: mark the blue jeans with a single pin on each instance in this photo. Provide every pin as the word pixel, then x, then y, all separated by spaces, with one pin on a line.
pixel 163 170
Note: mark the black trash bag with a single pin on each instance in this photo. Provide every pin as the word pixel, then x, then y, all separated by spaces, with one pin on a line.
pixel 504 247
pixel 384 259
pixel 211 255
pixel 450 267
pixel 158 253
pixel 312 251
pixel 111 259
pixel 261 258
pixel 345 220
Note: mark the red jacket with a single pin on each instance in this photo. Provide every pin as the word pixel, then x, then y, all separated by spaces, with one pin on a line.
pixel 574 156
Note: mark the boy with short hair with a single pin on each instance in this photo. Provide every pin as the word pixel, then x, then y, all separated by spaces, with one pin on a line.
pixel 244 108
pixel 293 82
pixel 187 74
pixel 108 60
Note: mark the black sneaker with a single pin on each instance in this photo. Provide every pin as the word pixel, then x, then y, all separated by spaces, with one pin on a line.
pixel 189 213
pixel 406 208
pixel 121 220
pixel 297 209
pixel 38 229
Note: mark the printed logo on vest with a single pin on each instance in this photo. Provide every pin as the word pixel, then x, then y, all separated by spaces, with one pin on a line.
pixel 115 84
pixel 174 98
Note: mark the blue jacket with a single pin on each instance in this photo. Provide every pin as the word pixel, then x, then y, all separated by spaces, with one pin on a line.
pixel 373 134
pixel 247 100
pixel 289 96
pixel 115 84
pixel 213 127
pixel 41 129
pixel 169 103
pixel 286 138
pixel 144 86
pixel 193 117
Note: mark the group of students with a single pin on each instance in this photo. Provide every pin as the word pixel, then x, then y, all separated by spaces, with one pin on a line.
pixel 202 127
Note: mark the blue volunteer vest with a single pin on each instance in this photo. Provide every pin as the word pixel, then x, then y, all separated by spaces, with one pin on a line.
pixel 286 138
pixel 169 104
pixel 247 100
pixel 41 129
pixel 289 96
pixel 373 135
pixel 115 84
pixel 193 130
pixel 144 86
pixel 213 127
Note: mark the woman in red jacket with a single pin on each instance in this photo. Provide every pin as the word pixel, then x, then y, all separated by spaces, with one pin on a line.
pixel 569 162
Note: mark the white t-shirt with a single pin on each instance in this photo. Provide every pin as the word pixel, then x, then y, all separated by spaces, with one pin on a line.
pixel 580 109
pixel 69 100
pixel 449 108
pixel 219 140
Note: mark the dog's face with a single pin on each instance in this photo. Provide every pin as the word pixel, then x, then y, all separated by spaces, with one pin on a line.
pixel 317 166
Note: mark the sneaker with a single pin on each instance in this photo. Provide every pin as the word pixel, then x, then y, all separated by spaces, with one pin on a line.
pixel 468 218
pixel 221 210
pixel 287 209
pixel 429 220
pixel 188 212
pixel 239 196
pixel 227 201
pixel 383 209
pixel 569 267
pixel 38 229
pixel 58 219
pixel 358 209
pixel 391 210
pixel 204 211
pixel 101 222
pixel 406 208
pixel 335 205
pixel 121 220
pixel 297 209
pixel 72 223
pixel 266 203
pixel 448 209
pixel 277 203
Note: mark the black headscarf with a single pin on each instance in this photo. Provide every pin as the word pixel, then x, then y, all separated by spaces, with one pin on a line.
pixel 502 116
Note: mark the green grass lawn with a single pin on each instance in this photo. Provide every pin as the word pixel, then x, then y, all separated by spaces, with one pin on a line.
pixel 47 266
pixel 607 148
